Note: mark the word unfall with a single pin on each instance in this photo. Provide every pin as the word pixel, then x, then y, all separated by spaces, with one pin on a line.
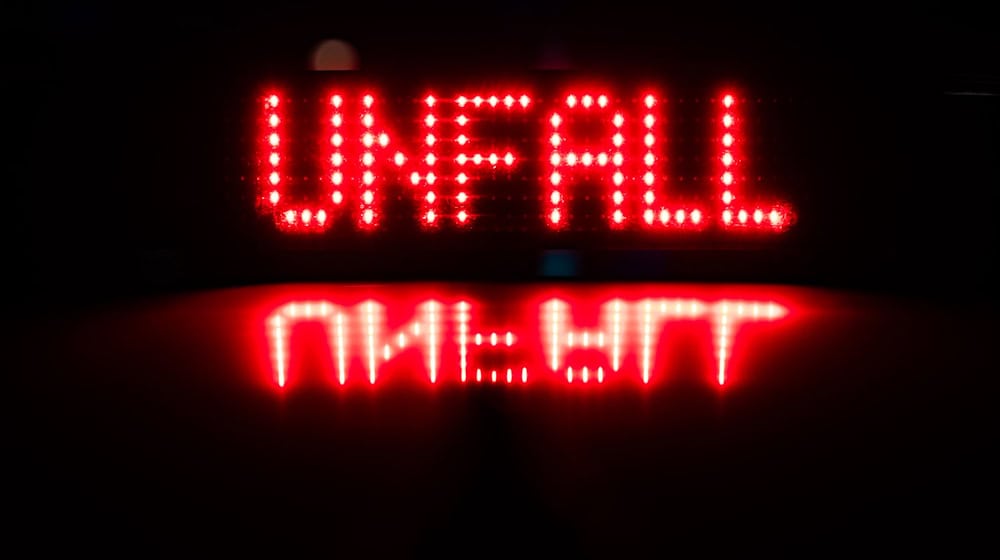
pixel 451 343
pixel 587 138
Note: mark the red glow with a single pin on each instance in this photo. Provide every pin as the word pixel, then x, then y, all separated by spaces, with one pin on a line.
pixel 455 339
pixel 491 159
pixel 626 152
pixel 566 154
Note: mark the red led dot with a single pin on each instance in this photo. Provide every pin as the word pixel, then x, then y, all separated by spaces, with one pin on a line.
pixel 649 197
pixel 727 100
pixel 618 197
pixel 462 197
pixel 368 216
pixel 477 159
pixel 758 216
pixel 337 100
pixel 602 158
pixel 555 216
pixel 368 159
pixel 727 159
pixel 554 159
pixel 494 159
pixel 462 139
pixel 431 197
pixel 648 178
pixel 618 139
pixel 290 216
pixel 555 139
pixel 273 120
pixel 462 216
pixel 727 197
pixel 775 217
pixel 431 178
pixel 337 159
pixel 524 100
pixel 461 120
pixel 618 216
pixel 383 139
pixel 727 140
pixel 648 216
pixel 477 101
pixel 696 217
pixel 337 139
pixel 742 216
pixel 461 159
pixel 587 101
pixel 649 159
pixel 430 216
pixel 273 100
pixel 368 120
pixel 306 216
pixel 727 178
pixel 727 120
pixel 555 197
pixel 274 139
pixel 602 100
pixel 586 158
pixel 368 139
pixel 337 178
pixel 368 197
pixel 399 159
pixel 338 197
pixel 368 177
pixel 368 100
pixel 619 120
pixel 321 216
pixel 727 217
pixel 555 178
pixel 664 216
pixel 275 197
pixel 508 158
pixel 571 159
pixel 430 120
pixel 462 178
pixel 430 159
pixel 650 101
pixel 508 101
pixel 274 178
pixel 679 216
pixel 649 139
pixel 274 159
pixel 429 100
pixel 617 159
pixel 571 101
pixel 462 100
pixel 337 120
pixel 493 101
pixel 618 178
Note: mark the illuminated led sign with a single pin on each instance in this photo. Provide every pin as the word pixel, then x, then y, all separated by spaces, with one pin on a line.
pixel 586 146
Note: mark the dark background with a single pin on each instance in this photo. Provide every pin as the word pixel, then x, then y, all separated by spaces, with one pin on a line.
pixel 117 197
pixel 123 175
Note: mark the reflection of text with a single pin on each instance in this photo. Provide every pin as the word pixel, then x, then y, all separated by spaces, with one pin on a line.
pixel 455 343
